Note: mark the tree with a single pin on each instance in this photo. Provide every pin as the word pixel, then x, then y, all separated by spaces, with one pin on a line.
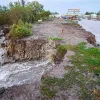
pixel 45 14
pixel 56 13
pixel 4 15
pixel 30 12
pixel 98 13
pixel 36 9
pixel 15 11
pixel 23 3
pixel 89 13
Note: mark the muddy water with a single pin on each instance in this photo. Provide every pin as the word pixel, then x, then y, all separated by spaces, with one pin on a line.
pixel 23 72
pixel 92 26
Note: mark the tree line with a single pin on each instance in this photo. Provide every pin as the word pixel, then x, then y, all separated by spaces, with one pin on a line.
pixel 89 13
pixel 27 12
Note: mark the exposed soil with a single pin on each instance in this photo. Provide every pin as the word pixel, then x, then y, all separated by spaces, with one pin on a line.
pixel 58 28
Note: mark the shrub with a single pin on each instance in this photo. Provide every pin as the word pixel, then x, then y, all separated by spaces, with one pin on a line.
pixel 62 49
pixel 86 61
pixel 73 22
pixel 28 25
pixel 55 38
pixel 20 30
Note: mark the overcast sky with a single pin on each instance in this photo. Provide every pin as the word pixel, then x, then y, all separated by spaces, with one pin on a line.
pixel 61 6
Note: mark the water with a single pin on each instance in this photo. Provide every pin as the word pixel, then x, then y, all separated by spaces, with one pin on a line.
pixel 93 27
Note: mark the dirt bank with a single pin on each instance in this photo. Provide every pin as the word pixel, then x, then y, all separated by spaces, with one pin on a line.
pixel 70 33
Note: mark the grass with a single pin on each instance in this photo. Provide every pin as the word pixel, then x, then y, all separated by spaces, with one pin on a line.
pixel 20 30
pixel 73 22
pixel 62 49
pixel 55 38
pixel 85 74
pixel 60 53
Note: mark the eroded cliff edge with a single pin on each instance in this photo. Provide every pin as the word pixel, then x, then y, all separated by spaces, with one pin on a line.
pixel 35 48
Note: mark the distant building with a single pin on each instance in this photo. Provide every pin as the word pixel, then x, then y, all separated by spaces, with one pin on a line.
pixel 93 16
pixel 55 15
pixel 73 12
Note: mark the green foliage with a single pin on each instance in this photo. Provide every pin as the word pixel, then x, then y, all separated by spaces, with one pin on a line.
pixel 88 56
pixel 44 15
pixel 30 12
pixel 98 13
pixel 89 13
pixel 82 44
pixel 62 49
pixel 4 15
pixel 84 74
pixel 23 2
pixel 28 25
pixel 20 30
pixel 47 92
pixel 47 87
pixel 73 22
pixel 55 38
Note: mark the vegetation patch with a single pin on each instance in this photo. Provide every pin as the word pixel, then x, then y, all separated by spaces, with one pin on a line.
pixel 73 22
pixel 84 75
pixel 20 30
pixel 26 11
pixel 55 38
pixel 62 49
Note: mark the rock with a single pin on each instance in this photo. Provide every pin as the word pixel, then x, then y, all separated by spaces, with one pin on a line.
pixel 26 49
pixel 2 90
pixel 58 57
pixel 6 30
pixel 91 38
pixel 33 49
pixel 98 45
pixel 3 45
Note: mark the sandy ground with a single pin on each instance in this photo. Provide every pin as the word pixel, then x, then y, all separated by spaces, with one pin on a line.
pixel 71 34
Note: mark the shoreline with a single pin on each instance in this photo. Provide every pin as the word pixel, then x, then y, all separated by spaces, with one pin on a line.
pixel 71 35
pixel 91 29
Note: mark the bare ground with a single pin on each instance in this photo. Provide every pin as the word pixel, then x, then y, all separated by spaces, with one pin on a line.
pixel 71 34
pixel 57 28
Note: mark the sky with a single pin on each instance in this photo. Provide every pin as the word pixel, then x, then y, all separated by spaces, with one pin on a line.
pixel 61 6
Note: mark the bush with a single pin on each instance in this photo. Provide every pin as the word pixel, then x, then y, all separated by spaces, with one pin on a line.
pixel 62 49
pixel 55 38
pixel 20 30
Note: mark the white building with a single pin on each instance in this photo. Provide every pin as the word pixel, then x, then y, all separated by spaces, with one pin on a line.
pixel 73 12
pixel 93 16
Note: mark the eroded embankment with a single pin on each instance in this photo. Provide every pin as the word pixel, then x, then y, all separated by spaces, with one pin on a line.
pixel 21 80
pixel 36 58
pixel 71 33
pixel 93 27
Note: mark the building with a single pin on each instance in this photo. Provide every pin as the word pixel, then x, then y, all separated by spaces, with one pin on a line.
pixel 73 12
pixel 93 16
pixel 55 15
